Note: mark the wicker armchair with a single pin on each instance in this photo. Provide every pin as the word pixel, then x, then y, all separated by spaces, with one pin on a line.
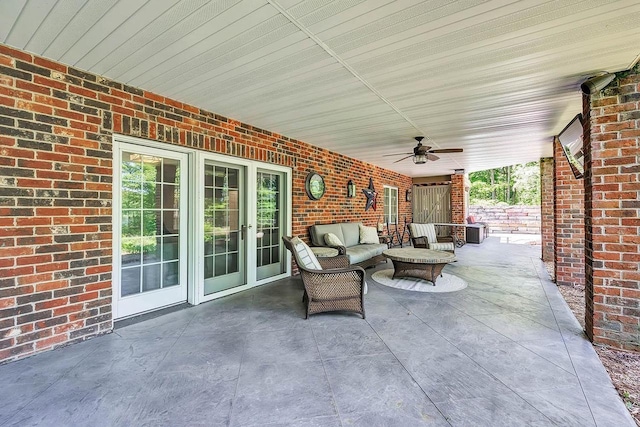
pixel 425 236
pixel 336 286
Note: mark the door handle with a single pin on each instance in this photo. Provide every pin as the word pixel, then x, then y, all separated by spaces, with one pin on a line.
pixel 243 230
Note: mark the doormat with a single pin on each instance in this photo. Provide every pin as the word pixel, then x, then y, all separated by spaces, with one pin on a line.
pixel 446 283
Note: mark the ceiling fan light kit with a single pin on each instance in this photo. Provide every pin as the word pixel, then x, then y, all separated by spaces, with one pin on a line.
pixel 419 159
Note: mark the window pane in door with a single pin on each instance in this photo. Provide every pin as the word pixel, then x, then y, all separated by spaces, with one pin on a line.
pixel 269 219
pixel 222 226
pixel 150 201
pixel 130 281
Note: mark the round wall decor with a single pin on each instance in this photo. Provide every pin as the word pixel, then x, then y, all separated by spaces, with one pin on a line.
pixel 314 186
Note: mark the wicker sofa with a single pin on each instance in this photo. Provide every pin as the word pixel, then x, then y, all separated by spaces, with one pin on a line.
pixel 363 255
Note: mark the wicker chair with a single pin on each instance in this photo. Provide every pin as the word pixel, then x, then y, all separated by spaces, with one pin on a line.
pixel 337 286
pixel 425 236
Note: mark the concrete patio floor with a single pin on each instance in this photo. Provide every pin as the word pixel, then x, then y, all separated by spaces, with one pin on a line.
pixel 505 351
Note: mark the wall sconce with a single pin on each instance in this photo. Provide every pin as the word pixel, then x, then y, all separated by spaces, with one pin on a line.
pixel 407 195
pixel 351 189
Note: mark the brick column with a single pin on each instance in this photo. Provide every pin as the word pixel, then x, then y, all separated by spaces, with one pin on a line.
pixel 612 211
pixel 547 208
pixel 458 204
pixel 568 220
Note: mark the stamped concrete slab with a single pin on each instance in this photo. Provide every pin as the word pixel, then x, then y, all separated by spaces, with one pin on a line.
pixel 504 351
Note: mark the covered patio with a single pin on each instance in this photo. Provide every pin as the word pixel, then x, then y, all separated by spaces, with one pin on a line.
pixel 505 351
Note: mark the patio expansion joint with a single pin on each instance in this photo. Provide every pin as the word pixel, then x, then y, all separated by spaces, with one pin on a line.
pixel 405 368
pixel 235 390
pixel 544 289
pixel 326 376
pixel 475 362
pixel 515 392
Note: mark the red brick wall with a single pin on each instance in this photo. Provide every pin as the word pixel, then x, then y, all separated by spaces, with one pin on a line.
pixel 547 209
pixel 612 149
pixel 458 209
pixel 568 220
pixel 56 127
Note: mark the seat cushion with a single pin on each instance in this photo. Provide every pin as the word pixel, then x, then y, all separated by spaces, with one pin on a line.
pixel 361 253
pixel 318 231
pixel 351 233
pixel 443 246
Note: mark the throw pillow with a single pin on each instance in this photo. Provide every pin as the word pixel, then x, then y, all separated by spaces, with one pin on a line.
pixel 305 255
pixel 331 239
pixel 368 235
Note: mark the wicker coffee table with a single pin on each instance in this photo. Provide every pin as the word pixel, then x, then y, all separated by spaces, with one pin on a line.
pixel 424 264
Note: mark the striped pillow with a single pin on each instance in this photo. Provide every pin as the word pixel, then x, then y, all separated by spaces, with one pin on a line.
pixel 424 230
pixel 305 255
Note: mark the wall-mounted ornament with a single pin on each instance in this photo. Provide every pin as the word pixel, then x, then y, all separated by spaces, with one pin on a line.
pixel 351 189
pixel 314 186
pixel 407 196
pixel 371 194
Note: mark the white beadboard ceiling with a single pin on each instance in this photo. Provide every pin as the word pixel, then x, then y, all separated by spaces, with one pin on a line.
pixel 362 78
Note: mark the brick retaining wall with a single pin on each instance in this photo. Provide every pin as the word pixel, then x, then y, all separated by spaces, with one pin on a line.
pixel 508 219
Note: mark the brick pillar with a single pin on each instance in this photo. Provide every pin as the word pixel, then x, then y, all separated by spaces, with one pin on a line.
pixel 568 221
pixel 458 204
pixel 547 208
pixel 612 211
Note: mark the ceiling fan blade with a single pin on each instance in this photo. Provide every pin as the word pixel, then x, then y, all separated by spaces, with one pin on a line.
pixel 447 150
pixel 397 154
pixel 403 158
pixel 432 157
pixel 422 149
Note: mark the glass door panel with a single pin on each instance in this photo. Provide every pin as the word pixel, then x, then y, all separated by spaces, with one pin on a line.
pixel 152 216
pixel 270 224
pixel 224 222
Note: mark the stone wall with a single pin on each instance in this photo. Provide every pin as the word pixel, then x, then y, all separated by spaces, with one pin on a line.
pixel 508 219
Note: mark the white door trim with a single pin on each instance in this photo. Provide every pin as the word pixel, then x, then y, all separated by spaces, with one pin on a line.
pixel 251 167
pixel 181 294
pixel 195 227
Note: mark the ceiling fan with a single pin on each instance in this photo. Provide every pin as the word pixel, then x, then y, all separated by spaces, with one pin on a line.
pixel 422 153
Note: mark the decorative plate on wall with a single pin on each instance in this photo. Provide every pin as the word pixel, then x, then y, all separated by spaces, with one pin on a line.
pixel 314 186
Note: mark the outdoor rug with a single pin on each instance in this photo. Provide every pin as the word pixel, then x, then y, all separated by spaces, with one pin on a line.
pixel 446 283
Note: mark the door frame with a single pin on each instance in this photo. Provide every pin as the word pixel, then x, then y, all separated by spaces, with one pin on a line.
pixel 195 221
pixel 251 167
pixel 118 142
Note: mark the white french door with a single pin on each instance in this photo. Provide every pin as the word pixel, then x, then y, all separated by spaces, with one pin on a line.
pixel 150 229
pixel 270 222
pixel 225 227
pixel 192 226
pixel 244 210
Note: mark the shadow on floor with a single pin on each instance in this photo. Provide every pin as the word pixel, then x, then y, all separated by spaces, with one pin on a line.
pixel 505 351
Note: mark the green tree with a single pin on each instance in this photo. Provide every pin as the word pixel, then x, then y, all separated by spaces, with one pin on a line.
pixel 511 185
